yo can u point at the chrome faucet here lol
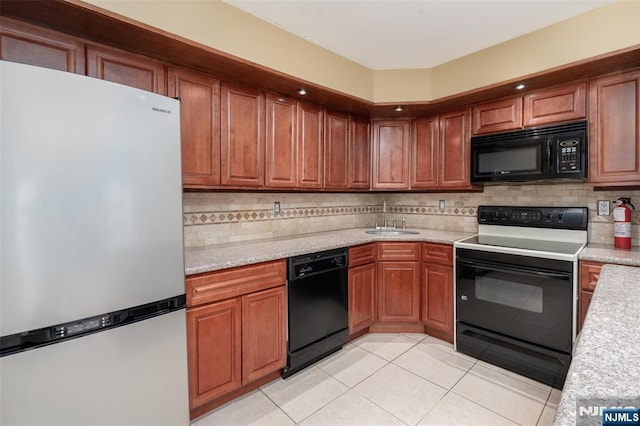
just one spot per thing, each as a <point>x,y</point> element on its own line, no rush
<point>384,214</point>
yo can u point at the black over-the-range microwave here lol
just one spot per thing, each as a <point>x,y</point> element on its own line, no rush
<point>542,153</point>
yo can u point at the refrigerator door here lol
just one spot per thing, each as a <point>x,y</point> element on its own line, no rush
<point>90,223</point>
<point>133,375</point>
<point>91,197</point>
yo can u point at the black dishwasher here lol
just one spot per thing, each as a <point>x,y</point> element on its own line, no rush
<point>317,298</point>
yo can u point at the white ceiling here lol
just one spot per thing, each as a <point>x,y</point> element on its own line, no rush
<point>405,34</point>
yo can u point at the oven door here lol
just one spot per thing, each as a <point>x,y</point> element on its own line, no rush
<point>526,298</point>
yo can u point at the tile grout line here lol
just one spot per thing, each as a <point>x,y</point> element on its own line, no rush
<point>279,408</point>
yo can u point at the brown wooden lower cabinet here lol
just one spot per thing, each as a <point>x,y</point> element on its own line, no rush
<point>588,277</point>
<point>234,342</point>
<point>362,297</point>
<point>437,290</point>
<point>214,337</point>
<point>437,298</point>
<point>264,333</point>
<point>399,291</point>
<point>238,340</point>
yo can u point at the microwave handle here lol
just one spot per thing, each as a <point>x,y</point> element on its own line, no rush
<point>550,146</point>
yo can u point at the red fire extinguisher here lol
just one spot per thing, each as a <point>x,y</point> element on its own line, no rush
<point>622,223</point>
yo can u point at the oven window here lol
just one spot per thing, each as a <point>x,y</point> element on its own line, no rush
<point>515,292</point>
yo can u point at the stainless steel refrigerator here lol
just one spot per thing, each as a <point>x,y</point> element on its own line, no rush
<point>92,314</point>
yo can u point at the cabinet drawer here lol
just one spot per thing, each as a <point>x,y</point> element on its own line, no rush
<point>219,285</point>
<point>361,255</point>
<point>589,274</point>
<point>437,253</point>
<point>398,251</point>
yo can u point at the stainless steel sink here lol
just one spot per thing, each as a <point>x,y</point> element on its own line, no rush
<point>390,231</point>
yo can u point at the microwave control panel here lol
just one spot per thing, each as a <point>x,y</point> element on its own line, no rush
<point>569,155</point>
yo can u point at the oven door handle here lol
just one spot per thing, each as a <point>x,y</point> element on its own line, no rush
<point>525,271</point>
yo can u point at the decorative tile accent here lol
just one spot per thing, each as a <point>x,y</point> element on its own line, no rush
<point>208,218</point>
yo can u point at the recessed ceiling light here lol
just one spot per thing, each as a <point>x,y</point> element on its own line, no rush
<point>399,108</point>
<point>302,91</point>
<point>520,86</point>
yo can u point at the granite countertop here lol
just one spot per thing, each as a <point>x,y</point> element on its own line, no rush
<point>214,257</point>
<point>606,253</point>
<point>606,361</point>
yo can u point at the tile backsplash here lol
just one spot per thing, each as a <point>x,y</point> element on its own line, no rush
<point>223,217</point>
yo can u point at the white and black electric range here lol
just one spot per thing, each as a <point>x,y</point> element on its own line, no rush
<point>516,288</point>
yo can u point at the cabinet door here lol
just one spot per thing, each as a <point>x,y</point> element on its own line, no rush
<point>360,155</point>
<point>242,136</point>
<point>391,154</point>
<point>309,139</point>
<point>264,333</point>
<point>37,46</point>
<point>399,291</point>
<point>362,297</point>
<point>281,154</point>
<point>614,130</point>
<point>199,126</point>
<point>424,153</point>
<point>455,129</point>
<point>336,150</point>
<point>126,68</point>
<point>589,273</point>
<point>555,105</point>
<point>497,116</point>
<point>213,333</point>
<point>437,297</point>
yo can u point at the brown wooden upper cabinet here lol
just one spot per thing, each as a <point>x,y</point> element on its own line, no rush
<point>455,136</point>
<point>336,150</point>
<point>242,136</point>
<point>126,68</point>
<point>391,154</point>
<point>553,105</point>
<point>200,126</point>
<point>563,103</point>
<point>614,130</point>
<point>28,44</point>
<point>360,154</point>
<point>281,160</point>
<point>440,151</point>
<point>425,142</point>
<point>497,116</point>
<point>310,119</point>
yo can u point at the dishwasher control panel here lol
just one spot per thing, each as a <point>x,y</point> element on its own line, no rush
<point>305,265</point>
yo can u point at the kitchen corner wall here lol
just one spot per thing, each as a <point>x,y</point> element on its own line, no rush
<point>224,217</point>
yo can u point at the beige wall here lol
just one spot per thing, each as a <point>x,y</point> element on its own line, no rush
<point>594,33</point>
<point>216,24</point>
<point>223,27</point>
<point>405,85</point>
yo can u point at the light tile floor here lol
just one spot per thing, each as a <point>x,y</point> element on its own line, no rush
<point>394,379</point>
